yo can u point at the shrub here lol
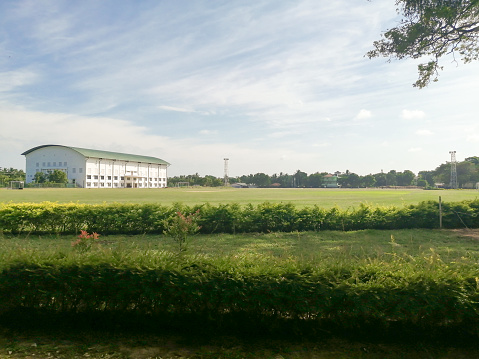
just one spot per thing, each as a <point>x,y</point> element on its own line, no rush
<point>118,218</point>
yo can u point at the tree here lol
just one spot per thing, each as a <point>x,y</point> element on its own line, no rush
<point>58,176</point>
<point>10,174</point>
<point>391,179</point>
<point>381,179</point>
<point>427,176</point>
<point>432,28</point>
<point>405,178</point>
<point>261,180</point>
<point>368,181</point>
<point>300,178</point>
<point>40,177</point>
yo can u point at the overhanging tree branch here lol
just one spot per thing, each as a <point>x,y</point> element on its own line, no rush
<point>431,28</point>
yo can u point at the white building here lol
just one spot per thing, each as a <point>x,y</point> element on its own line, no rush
<point>88,168</point>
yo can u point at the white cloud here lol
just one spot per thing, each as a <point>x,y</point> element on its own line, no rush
<point>12,79</point>
<point>415,149</point>
<point>424,133</point>
<point>176,109</point>
<point>412,114</point>
<point>473,138</point>
<point>324,144</point>
<point>208,132</point>
<point>363,114</point>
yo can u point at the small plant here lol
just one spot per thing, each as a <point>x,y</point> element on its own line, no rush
<point>180,226</point>
<point>85,241</point>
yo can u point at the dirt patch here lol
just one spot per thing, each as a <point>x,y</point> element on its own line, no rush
<point>201,191</point>
<point>464,232</point>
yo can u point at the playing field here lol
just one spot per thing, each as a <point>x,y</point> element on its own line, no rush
<point>326,198</point>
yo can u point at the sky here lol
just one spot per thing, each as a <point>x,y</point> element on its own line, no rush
<point>274,86</point>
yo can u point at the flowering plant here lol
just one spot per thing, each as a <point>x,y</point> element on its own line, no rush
<point>85,241</point>
<point>180,226</point>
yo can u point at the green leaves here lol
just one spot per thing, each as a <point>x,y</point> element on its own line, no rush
<point>432,28</point>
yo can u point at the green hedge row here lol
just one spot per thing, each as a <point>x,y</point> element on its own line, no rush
<point>440,297</point>
<point>118,218</point>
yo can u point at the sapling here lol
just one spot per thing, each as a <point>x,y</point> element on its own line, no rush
<point>85,241</point>
<point>180,226</point>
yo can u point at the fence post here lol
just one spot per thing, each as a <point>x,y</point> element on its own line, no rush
<point>440,212</point>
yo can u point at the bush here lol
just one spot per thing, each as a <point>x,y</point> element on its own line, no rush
<point>428,295</point>
<point>118,218</point>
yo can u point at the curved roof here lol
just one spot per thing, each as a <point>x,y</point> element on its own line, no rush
<point>106,155</point>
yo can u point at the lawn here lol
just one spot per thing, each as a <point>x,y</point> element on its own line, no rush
<point>300,247</point>
<point>325,198</point>
<point>430,247</point>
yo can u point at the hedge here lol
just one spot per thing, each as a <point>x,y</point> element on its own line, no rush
<point>349,296</point>
<point>48,217</point>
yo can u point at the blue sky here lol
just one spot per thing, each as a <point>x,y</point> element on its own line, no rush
<point>275,86</point>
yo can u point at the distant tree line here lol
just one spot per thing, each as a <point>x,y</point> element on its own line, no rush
<point>467,177</point>
<point>10,174</point>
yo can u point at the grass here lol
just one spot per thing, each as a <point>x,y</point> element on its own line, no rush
<point>325,198</point>
<point>448,246</point>
<point>300,247</point>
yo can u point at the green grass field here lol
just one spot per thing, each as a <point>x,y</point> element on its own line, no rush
<point>325,198</point>
<point>301,247</point>
<point>411,247</point>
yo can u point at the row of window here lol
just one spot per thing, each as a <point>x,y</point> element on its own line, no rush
<point>49,164</point>
<point>122,178</point>
<point>117,185</point>
<point>117,171</point>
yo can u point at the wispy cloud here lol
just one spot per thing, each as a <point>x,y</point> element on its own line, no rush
<point>282,82</point>
<point>424,133</point>
<point>412,114</point>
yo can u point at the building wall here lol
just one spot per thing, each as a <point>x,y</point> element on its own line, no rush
<point>95,172</point>
<point>48,159</point>
<point>102,173</point>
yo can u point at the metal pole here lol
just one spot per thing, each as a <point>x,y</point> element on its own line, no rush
<point>440,212</point>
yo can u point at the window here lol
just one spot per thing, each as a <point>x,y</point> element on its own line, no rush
<point>64,164</point>
<point>74,170</point>
<point>109,178</point>
<point>88,176</point>
<point>102,177</point>
<point>43,164</point>
<point>95,177</point>
<point>80,170</point>
<point>38,164</point>
<point>88,184</point>
<point>49,165</point>
<point>54,164</point>
<point>122,178</point>
<point>116,178</point>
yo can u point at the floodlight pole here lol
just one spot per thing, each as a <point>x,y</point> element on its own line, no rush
<point>226,178</point>
<point>453,170</point>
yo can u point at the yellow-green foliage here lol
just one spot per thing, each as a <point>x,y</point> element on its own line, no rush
<point>109,218</point>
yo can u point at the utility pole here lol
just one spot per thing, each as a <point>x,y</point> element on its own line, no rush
<point>453,184</point>
<point>226,177</point>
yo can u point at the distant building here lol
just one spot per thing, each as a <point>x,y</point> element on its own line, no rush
<point>89,168</point>
<point>239,185</point>
<point>330,181</point>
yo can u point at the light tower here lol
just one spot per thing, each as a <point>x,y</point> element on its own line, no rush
<point>226,178</point>
<point>453,184</point>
